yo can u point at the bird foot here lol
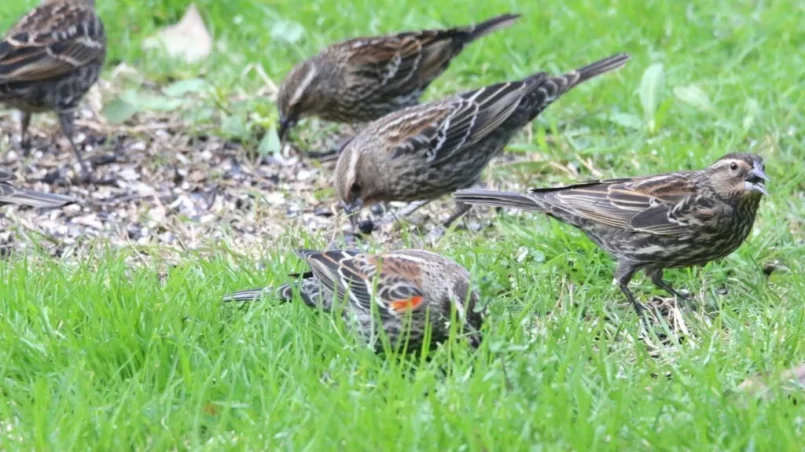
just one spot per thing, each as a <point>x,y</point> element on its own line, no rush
<point>57,177</point>
<point>104,159</point>
<point>347,241</point>
<point>24,147</point>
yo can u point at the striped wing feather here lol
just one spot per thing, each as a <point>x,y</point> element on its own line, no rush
<point>52,40</point>
<point>656,205</point>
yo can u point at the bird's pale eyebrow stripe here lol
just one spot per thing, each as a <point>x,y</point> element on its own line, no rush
<point>300,90</point>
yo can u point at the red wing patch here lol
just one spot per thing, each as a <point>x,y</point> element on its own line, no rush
<point>407,305</point>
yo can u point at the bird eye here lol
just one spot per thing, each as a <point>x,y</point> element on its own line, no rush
<point>734,166</point>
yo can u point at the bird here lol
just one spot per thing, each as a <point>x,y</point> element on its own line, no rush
<point>651,223</point>
<point>12,195</point>
<point>401,293</point>
<point>426,151</point>
<point>49,60</point>
<point>363,79</point>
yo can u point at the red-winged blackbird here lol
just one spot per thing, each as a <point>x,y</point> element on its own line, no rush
<point>12,195</point>
<point>400,292</point>
<point>430,150</point>
<point>49,60</point>
<point>363,79</point>
<point>651,223</point>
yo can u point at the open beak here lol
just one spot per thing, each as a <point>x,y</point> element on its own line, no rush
<point>286,124</point>
<point>756,180</point>
<point>352,209</point>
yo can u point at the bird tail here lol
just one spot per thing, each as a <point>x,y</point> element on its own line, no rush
<point>544,90</point>
<point>284,293</point>
<point>592,70</point>
<point>34,198</point>
<point>497,198</point>
<point>486,27</point>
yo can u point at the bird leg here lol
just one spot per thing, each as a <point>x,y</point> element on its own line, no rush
<point>623,275</point>
<point>25,140</point>
<point>460,210</point>
<point>66,120</point>
<point>438,232</point>
<point>655,275</point>
<point>399,214</point>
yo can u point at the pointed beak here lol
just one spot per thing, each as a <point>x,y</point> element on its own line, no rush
<point>756,180</point>
<point>352,209</point>
<point>286,124</point>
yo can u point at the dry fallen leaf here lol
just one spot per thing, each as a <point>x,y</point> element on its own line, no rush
<point>188,39</point>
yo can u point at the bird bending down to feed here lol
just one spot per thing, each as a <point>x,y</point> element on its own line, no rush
<point>12,195</point>
<point>363,79</point>
<point>48,62</point>
<point>424,152</point>
<point>403,293</point>
<point>651,223</point>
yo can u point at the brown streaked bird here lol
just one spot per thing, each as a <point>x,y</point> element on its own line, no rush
<point>402,293</point>
<point>424,152</point>
<point>49,59</point>
<point>12,195</point>
<point>363,79</point>
<point>651,223</point>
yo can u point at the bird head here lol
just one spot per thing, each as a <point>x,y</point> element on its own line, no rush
<point>298,96</point>
<point>739,174</point>
<point>355,180</point>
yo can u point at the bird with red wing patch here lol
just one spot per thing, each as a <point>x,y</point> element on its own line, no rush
<point>400,293</point>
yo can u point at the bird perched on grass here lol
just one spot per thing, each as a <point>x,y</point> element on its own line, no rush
<point>49,60</point>
<point>401,293</point>
<point>430,150</point>
<point>12,195</point>
<point>363,79</point>
<point>651,223</point>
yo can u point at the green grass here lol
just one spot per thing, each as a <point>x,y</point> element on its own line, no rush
<point>98,353</point>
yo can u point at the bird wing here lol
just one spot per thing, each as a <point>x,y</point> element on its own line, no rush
<point>7,191</point>
<point>5,176</point>
<point>393,62</point>
<point>440,130</point>
<point>357,276</point>
<point>658,205</point>
<point>51,40</point>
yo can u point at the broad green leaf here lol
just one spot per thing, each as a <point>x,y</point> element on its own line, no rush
<point>234,126</point>
<point>695,97</point>
<point>182,87</point>
<point>651,86</point>
<point>270,144</point>
<point>119,111</point>
<point>287,30</point>
<point>626,120</point>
